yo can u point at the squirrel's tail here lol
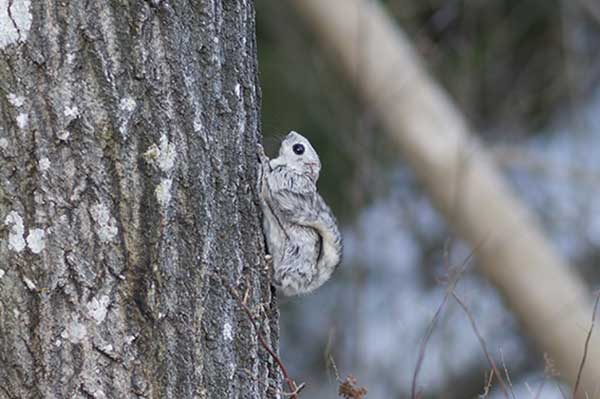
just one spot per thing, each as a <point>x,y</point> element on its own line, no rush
<point>331,249</point>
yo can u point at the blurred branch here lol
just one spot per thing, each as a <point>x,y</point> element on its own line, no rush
<point>453,278</point>
<point>488,357</point>
<point>532,162</point>
<point>586,346</point>
<point>592,7</point>
<point>462,181</point>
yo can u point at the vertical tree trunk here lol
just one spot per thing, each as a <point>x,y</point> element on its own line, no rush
<point>127,203</point>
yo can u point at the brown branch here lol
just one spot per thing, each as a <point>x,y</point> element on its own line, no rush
<point>270,388</point>
<point>507,375</point>
<point>334,368</point>
<point>483,344</point>
<point>453,279</point>
<point>423,347</point>
<point>487,386</point>
<point>294,389</point>
<point>586,346</point>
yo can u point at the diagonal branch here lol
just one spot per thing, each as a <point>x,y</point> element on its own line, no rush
<point>586,346</point>
<point>483,345</point>
<point>292,386</point>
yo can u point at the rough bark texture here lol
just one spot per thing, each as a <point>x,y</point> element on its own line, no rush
<point>127,193</point>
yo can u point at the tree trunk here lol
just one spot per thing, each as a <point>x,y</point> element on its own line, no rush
<point>128,209</point>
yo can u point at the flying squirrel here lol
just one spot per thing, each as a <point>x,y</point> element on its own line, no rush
<point>301,232</point>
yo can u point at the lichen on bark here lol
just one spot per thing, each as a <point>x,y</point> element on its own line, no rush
<point>127,149</point>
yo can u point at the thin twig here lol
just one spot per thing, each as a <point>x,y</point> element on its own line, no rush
<point>483,344</point>
<point>335,369</point>
<point>510,385</point>
<point>259,381</point>
<point>487,386</point>
<point>587,343</point>
<point>290,383</point>
<point>453,280</point>
<point>542,385</point>
<point>294,389</point>
<point>423,347</point>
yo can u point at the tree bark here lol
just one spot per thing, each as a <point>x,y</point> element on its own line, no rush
<point>551,301</point>
<point>128,208</point>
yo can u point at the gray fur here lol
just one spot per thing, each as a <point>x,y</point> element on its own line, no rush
<point>301,232</point>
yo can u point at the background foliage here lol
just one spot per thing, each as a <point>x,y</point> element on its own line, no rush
<point>526,75</point>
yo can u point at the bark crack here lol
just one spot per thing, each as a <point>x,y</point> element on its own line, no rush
<point>109,354</point>
<point>10,395</point>
<point>9,12</point>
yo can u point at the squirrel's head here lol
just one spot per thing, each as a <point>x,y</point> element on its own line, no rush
<point>297,153</point>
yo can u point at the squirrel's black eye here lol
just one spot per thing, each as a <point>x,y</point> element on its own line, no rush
<point>298,149</point>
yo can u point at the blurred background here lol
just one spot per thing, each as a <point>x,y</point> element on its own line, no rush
<point>526,75</point>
